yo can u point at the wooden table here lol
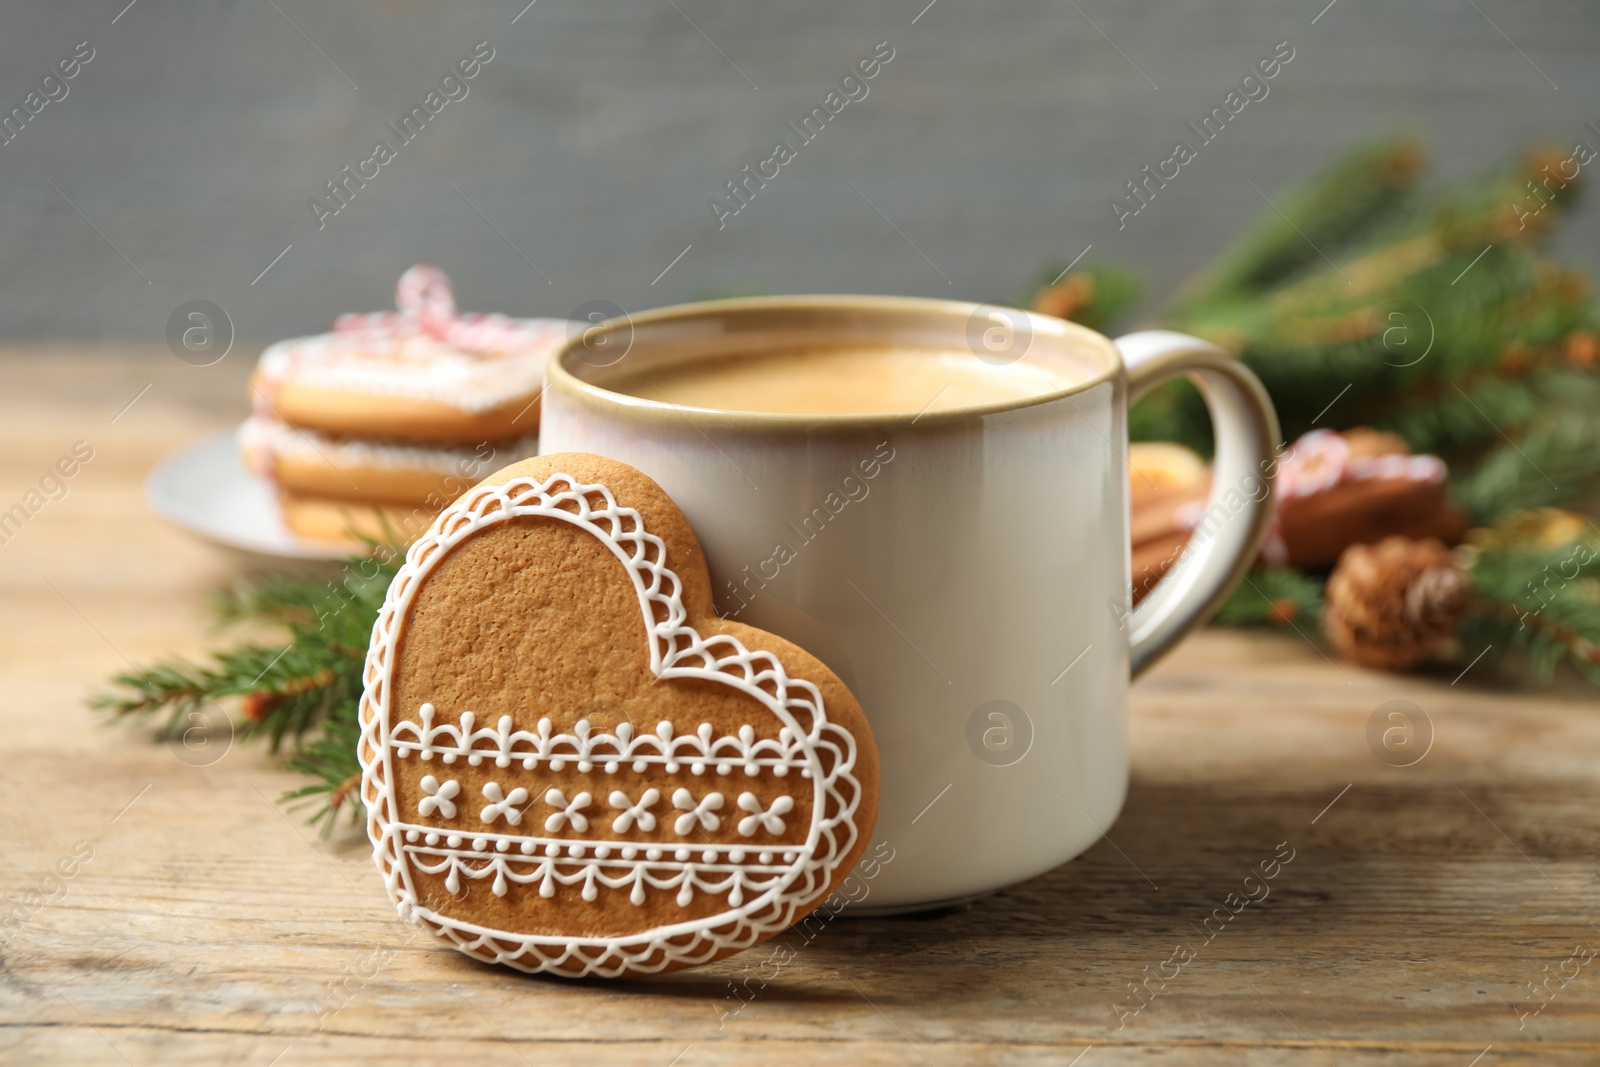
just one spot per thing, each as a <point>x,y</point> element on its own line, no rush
<point>210,926</point>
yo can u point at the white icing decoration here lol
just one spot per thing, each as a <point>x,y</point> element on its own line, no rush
<point>266,441</point>
<point>569,812</point>
<point>769,819</point>
<point>1321,460</point>
<point>665,747</point>
<point>1419,468</point>
<point>439,798</point>
<point>424,350</point>
<point>700,812</point>
<point>503,804</point>
<point>634,813</point>
<point>762,898</point>
<point>412,367</point>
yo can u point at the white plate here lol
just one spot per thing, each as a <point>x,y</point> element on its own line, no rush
<point>206,489</point>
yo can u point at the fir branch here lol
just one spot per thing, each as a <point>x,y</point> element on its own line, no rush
<point>1098,297</point>
<point>1447,330</point>
<point>301,695</point>
<point>1536,577</point>
<point>1273,596</point>
<point>1556,462</point>
<point>1442,324</point>
<point>1357,193</point>
<point>269,598</point>
<point>330,759</point>
<point>178,687</point>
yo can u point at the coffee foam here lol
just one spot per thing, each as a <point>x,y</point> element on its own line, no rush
<point>847,379</point>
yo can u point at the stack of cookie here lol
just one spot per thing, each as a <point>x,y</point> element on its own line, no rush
<point>1165,482</point>
<point>368,432</point>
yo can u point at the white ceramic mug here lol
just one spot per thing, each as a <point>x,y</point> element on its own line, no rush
<point>966,571</point>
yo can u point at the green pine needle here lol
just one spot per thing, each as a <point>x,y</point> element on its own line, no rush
<point>1439,320</point>
<point>300,696</point>
<point>1538,606</point>
<point>1274,596</point>
<point>1352,197</point>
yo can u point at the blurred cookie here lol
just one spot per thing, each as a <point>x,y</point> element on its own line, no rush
<point>307,462</point>
<point>1166,481</point>
<point>1337,489</point>
<point>1158,466</point>
<point>420,373</point>
<point>322,518</point>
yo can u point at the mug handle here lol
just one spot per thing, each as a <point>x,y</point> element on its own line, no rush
<point>1224,544</point>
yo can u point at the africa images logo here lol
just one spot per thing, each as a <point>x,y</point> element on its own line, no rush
<point>342,189</point>
<point>1253,87</point>
<point>852,89</point>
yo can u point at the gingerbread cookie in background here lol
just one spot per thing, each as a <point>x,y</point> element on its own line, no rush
<point>572,764</point>
<point>1332,490</point>
<point>1165,481</point>
<point>372,429</point>
<point>1357,487</point>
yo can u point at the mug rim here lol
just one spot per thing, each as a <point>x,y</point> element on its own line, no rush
<point>559,376</point>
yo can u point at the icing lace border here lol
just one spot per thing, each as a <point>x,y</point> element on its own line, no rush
<point>676,650</point>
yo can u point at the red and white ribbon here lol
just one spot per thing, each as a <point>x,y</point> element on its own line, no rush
<point>426,307</point>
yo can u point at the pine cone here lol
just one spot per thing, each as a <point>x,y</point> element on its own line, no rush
<point>1392,604</point>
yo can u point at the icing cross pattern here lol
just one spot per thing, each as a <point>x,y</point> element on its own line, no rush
<point>587,748</point>
<point>634,813</point>
<point>570,812</point>
<point>616,864</point>
<point>501,803</point>
<point>439,798</point>
<point>510,806</point>
<point>696,811</point>
<point>553,862</point>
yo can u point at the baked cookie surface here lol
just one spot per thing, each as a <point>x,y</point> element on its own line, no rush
<point>572,764</point>
<point>337,519</point>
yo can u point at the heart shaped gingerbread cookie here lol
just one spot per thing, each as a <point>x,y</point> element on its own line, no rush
<point>572,764</point>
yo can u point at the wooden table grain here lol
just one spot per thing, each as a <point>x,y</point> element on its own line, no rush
<point>1441,913</point>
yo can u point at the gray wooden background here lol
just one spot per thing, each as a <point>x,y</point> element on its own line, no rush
<point>181,161</point>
